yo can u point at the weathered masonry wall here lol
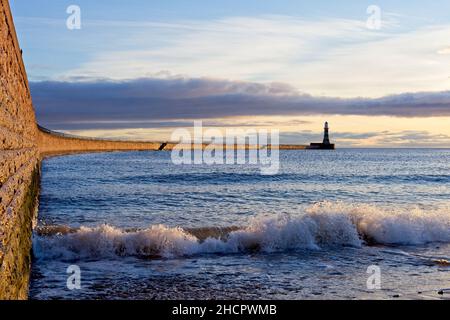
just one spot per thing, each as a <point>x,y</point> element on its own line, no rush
<point>18,164</point>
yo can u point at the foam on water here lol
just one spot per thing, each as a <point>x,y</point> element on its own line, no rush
<point>322,224</point>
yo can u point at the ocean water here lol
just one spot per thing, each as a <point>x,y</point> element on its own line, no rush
<point>140,227</point>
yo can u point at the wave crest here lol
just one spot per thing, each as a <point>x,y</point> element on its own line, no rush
<point>322,224</point>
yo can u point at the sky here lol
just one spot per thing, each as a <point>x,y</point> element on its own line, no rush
<point>139,69</point>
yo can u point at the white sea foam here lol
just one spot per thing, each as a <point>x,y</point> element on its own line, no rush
<point>323,224</point>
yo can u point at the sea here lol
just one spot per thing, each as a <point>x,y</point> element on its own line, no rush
<point>331,224</point>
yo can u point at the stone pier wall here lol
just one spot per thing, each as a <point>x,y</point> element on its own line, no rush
<point>53,143</point>
<point>18,164</point>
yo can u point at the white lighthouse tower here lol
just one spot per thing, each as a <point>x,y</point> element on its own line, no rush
<point>326,137</point>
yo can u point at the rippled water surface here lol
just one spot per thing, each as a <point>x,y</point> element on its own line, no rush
<point>140,227</point>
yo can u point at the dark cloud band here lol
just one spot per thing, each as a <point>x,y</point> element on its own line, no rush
<point>137,103</point>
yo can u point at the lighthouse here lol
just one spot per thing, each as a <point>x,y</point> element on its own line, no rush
<point>326,137</point>
<point>326,144</point>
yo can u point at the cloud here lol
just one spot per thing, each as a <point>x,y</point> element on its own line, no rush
<point>416,138</point>
<point>444,51</point>
<point>143,102</point>
<point>327,56</point>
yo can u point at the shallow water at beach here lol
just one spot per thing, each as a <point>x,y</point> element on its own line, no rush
<point>140,227</point>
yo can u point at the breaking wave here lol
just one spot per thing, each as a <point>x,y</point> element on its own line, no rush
<point>322,224</point>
